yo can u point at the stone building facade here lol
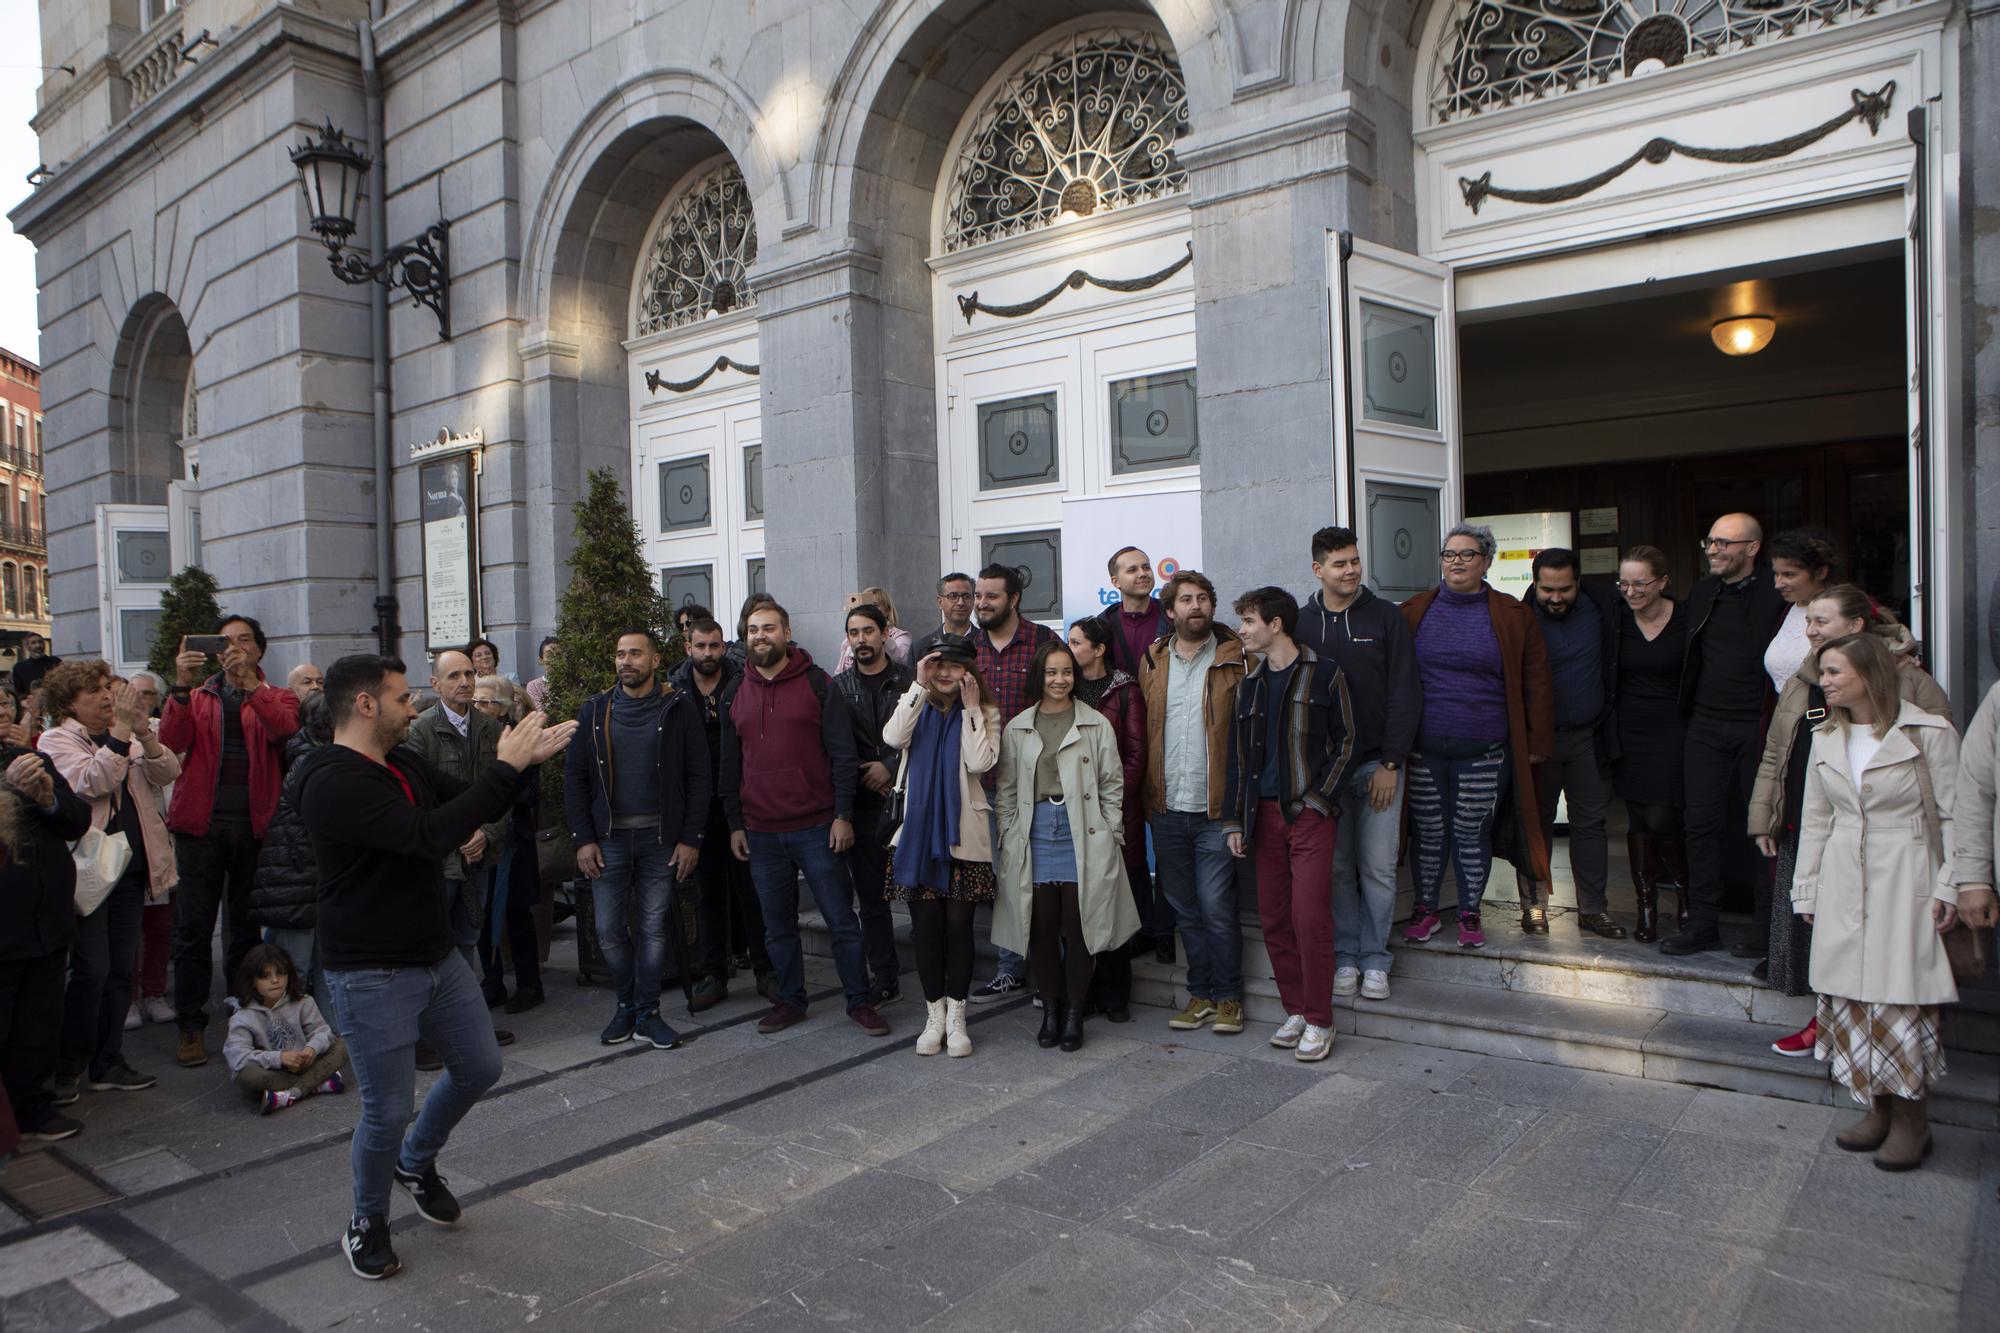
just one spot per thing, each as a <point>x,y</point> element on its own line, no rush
<point>783,266</point>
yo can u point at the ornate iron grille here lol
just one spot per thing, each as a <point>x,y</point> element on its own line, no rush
<point>1502,52</point>
<point>1086,126</point>
<point>698,261</point>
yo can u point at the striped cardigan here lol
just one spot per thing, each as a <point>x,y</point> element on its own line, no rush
<point>1319,742</point>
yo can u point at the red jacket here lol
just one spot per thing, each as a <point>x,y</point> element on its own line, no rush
<point>1125,708</point>
<point>193,730</point>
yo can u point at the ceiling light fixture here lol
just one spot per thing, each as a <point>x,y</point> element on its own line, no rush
<point>1744,336</point>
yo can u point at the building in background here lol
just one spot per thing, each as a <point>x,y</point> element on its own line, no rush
<point>850,295</point>
<point>24,554</point>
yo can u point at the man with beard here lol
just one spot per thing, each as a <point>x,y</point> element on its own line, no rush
<point>1005,645</point>
<point>871,688</point>
<point>1579,624</point>
<point>727,895</point>
<point>1138,619</point>
<point>788,776</point>
<point>636,791</point>
<point>1189,681</point>
<point>382,821</point>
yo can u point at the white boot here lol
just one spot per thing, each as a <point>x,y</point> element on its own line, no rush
<point>956,1042</point>
<point>932,1039</point>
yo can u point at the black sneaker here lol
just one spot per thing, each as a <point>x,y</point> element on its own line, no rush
<point>524,1000</point>
<point>121,1077</point>
<point>368,1251</point>
<point>54,1129</point>
<point>428,1060</point>
<point>999,988</point>
<point>433,1200</point>
<point>888,991</point>
<point>66,1089</point>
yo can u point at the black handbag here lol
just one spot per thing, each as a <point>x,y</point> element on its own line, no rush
<point>896,803</point>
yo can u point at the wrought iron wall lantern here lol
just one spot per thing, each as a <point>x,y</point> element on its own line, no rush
<point>331,171</point>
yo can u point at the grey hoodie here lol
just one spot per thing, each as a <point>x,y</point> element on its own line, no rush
<point>261,1036</point>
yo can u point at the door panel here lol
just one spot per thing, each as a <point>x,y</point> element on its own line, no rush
<point>699,499</point>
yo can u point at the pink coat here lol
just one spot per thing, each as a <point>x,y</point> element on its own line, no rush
<point>93,772</point>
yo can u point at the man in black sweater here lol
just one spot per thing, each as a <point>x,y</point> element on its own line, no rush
<point>382,820</point>
<point>1732,616</point>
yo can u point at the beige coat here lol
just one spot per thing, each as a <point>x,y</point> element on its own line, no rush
<point>94,772</point>
<point>1866,872</point>
<point>1767,799</point>
<point>1093,783</point>
<point>1975,822</point>
<point>978,749</point>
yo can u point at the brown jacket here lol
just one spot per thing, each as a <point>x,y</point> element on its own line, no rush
<point>1531,715</point>
<point>1225,673</point>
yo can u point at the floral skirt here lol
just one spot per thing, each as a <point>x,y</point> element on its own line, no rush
<point>971,882</point>
<point>1880,1050</point>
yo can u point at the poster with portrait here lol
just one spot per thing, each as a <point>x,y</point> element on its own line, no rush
<point>1167,527</point>
<point>451,554</point>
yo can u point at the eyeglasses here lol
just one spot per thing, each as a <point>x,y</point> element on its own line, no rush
<point>1711,543</point>
<point>1633,585</point>
<point>954,597</point>
<point>1459,557</point>
<point>487,703</point>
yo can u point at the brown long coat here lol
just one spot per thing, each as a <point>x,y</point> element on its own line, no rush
<point>1531,712</point>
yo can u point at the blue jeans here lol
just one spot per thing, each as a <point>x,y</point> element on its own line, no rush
<point>303,946</point>
<point>1198,876</point>
<point>776,862</point>
<point>1364,875</point>
<point>1011,964</point>
<point>380,1012</point>
<point>1454,794</point>
<point>638,873</point>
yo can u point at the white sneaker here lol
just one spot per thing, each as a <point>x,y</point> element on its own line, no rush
<point>1346,980</point>
<point>1375,985</point>
<point>1287,1036</point>
<point>1316,1044</point>
<point>134,1020</point>
<point>157,1008</point>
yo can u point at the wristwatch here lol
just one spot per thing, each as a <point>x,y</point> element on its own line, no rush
<point>1392,765</point>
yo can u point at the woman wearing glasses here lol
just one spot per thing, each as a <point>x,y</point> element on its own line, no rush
<point>1653,640</point>
<point>1489,717</point>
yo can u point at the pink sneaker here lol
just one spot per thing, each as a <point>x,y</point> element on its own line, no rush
<point>278,1101</point>
<point>332,1084</point>
<point>1423,925</point>
<point>1470,936</point>
<point>1800,1043</point>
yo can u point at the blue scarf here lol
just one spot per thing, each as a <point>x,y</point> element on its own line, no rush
<point>931,802</point>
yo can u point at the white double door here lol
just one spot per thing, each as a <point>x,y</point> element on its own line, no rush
<point>700,498</point>
<point>1042,421</point>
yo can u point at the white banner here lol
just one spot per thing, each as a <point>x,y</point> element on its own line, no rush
<point>1521,537</point>
<point>451,568</point>
<point>1167,527</point>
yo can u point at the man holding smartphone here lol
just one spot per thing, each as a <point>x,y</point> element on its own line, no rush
<point>230,731</point>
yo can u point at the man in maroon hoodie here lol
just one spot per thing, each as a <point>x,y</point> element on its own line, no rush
<point>788,773</point>
<point>230,732</point>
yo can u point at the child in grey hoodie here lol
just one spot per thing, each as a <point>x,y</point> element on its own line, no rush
<point>279,1047</point>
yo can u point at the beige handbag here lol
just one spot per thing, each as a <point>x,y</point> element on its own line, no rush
<point>1965,947</point>
<point>101,859</point>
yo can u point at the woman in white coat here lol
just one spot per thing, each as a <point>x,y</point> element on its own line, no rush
<point>941,865</point>
<point>1064,894</point>
<point>1874,880</point>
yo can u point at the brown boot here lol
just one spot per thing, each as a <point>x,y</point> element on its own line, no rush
<point>1867,1133</point>
<point>1909,1140</point>
<point>193,1051</point>
<point>1640,849</point>
<point>1674,877</point>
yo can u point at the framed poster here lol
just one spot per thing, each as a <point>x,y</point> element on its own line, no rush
<point>451,550</point>
<point>1521,538</point>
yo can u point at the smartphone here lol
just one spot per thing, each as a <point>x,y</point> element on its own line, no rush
<point>212,644</point>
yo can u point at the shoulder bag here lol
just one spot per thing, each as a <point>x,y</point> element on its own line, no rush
<point>1966,948</point>
<point>102,856</point>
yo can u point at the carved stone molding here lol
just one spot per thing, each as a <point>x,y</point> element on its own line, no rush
<point>970,304</point>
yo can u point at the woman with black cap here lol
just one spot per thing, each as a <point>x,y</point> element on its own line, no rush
<point>942,865</point>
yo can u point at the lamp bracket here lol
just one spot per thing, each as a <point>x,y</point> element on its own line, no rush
<point>420,267</point>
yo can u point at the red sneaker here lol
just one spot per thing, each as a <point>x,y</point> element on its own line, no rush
<point>1800,1042</point>
<point>779,1017</point>
<point>1423,925</point>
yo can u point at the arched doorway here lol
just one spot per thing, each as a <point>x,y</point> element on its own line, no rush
<point>1064,314</point>
<point>151,528</point>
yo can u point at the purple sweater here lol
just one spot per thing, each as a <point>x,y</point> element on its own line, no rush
<point>1458,658</point>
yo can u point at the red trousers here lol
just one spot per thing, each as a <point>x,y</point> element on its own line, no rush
<point>1295,902</point>
<point>156,945</point>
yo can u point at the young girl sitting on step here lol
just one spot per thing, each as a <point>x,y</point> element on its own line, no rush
<point>279,1047</point>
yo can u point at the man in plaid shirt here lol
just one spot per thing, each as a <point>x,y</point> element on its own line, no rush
<point>1005,645</point>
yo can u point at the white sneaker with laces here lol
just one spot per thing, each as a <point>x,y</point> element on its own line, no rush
<point>1288,1034</point>
<point>1316,1044</point>
<point>134,1020</point>
<point>157,1008</point>
<point>1346,980</point>
<point>1374,985</point>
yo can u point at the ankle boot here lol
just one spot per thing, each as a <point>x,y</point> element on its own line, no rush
<point>956,1041</point>
<point>1534,917</point>
<point>1909,1140</point>
<point>1051,1032</point>
<point>1072,1028</point>
<point>1674,877</point>
<point>1640,850</point>
<point>931,1040</point>
<point>1867,1133</point>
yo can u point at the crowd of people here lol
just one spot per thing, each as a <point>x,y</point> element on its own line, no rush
<point>375,866</point>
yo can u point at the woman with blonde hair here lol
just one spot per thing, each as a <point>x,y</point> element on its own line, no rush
<point>896,639</point>
<point>1874,880</point>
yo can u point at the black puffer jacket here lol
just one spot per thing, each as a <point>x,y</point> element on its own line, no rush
<point>286,894</point>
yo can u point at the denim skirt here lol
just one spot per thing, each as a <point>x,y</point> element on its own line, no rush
<point>1049,844</point>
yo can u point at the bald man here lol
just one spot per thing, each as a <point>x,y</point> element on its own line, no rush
<point>1732,616</point>
<point>305,679</point>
